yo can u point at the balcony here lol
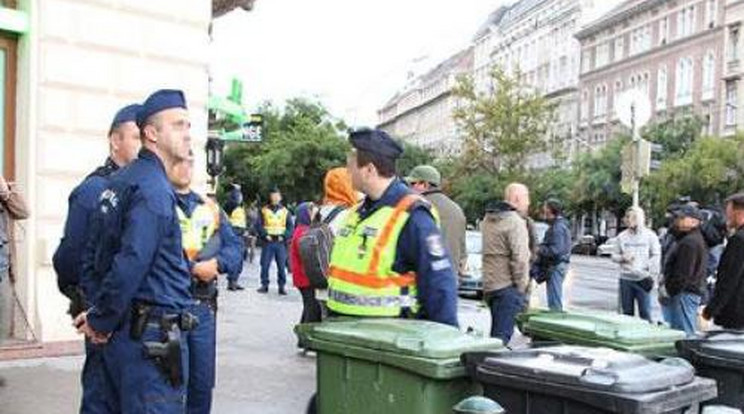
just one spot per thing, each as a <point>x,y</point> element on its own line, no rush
<point>733,65</point>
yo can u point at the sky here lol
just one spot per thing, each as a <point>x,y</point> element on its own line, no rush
<point>351,55</point>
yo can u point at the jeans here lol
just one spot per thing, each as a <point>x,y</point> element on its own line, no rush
<point>631,293</point>
<point>277,252</point>
<point>505,304</point>
<point>681,312</point>
<point>233,277</point>
<point>202,354</point>
<point>555,286</point>
<point>99,394</point>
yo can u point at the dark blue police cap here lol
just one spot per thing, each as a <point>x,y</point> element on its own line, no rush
<point>160,101</point>
<point>126,114</point>
<point>375,141</point>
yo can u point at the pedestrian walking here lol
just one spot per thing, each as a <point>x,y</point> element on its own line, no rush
<point>124,144</point>
<point>135,260</point>
<point>726,307</point>
<point>685,272</point>
<point>506,259</point>
<point>427,181</point>
<point>274,229</point>
<point>212,249</point>
<point>554,253</point>
<point>639,256</point>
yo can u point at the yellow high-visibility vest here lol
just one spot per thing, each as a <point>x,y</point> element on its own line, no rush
<point>199,228</point>
<point>361,279</point>
<point>275,223</point>
<point>237,217</point>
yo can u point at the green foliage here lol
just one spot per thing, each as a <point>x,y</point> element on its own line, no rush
<point>301,143</point>
<point>676,135</point>
<point>413,156</point>
<point>501,129</point>
<point>597,177</point>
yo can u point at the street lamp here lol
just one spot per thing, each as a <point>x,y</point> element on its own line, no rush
<point>215,164</point>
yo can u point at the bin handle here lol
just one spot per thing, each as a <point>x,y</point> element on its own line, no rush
<point>598,377</point>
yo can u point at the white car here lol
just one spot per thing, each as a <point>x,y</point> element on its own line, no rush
<point>608,248</point>
<point>471,283</point>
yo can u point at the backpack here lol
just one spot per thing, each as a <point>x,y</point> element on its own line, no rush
<point>713,226</point>
<point>315,250</point>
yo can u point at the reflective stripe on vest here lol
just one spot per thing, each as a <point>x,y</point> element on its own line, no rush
<point>199,228</point>
<point>237,217</point>
<point>275,223</point>
<point>361,279</point>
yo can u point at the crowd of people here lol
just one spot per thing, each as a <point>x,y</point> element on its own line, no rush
<point>141,254</point>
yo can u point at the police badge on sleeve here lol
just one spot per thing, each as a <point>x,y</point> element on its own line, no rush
<point>435,245</point>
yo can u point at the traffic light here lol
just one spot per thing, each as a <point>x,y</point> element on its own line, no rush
<point>649,157</point>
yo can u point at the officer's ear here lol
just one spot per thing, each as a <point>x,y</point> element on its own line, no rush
<point>148,133</point>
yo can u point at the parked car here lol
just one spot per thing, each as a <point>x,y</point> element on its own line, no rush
<point>608,248</point>
<point>586,246</point>
<point>471,282</point>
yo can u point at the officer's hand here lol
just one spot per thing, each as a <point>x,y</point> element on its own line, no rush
<point>206,271</point>
<point>81,323</point>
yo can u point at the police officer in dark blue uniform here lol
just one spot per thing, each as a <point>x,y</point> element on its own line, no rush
<point>124,143</point>
<point>420,249</point>
<point>134,260</point>
<point>212,249</point>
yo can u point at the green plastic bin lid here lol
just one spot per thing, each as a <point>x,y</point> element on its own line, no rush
<point>422,339</point>
<point>604,326</point>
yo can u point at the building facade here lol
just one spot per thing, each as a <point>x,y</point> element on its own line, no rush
<point>669,50</point>
<point>68,65</point>
<point>422,112</point>
<point>732,118</point>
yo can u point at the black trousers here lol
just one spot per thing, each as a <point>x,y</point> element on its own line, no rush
<point>311,311</point>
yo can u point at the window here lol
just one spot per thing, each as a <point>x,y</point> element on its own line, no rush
<point>663,30</point>
<point>661,88</point>
<point>600,101</point>
<point>710,14</point>
<point>640,40</point>
<point>584,110</point>
<point>618,91</point>
<point>686,22</point>
<point>619,48</point>
<point>586,61</point>
<point>603,55</point>
<point>733,43</point>
<point>683,82</point>
<point>731,103</point>
<point>709,75</point>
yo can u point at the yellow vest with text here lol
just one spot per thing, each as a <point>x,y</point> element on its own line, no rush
<point>237,217</point>
<point>361,279</point>
<point>199,228</point>
<point>275,223</point>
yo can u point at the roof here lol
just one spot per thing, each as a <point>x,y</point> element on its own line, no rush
<point>493,19</point>
<point>616,15</point>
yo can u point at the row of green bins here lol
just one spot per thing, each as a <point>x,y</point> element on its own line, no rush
<point>569,379</point>
<point>603,329</point>
<point>719,355</point>
<point>390,366</point>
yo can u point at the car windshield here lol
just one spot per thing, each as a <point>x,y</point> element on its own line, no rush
<point>474,243</point>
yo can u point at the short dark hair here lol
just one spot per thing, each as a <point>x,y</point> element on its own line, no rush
<point>554,205</point>
<point>385,166</point>
<point>736,201</point>
<point>153,120</point>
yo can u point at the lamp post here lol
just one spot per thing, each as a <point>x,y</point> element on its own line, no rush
<point>215,163</point>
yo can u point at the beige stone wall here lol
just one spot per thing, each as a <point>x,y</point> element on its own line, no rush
<point>82,61</point>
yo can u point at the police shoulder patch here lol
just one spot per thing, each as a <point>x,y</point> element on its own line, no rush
<point>435,245</point>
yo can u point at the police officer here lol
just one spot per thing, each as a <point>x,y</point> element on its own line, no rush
<point>135,261</point>
<point>274,228</point>
<point>212,248</point>
<point>239,225</point>
<point>388,258</point>
<point>124,143</point>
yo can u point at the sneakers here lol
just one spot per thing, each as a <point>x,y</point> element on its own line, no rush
<point>282,291</point>
<point>263,289</point>
<point>233,286</point>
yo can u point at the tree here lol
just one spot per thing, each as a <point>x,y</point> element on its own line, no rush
<point>676,135</point>
<point>413,155</point>
<point>301,143</point>
<point>502,128</point>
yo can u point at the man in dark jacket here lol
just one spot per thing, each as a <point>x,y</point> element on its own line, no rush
<point>685,271</point>
<point>726,307</point>
<point>554,253</point>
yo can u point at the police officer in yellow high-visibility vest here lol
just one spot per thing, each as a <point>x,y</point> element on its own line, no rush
<point>274,230</point>
<point>239,225</point>
<point>388,258</point>
<point>211,248</point>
